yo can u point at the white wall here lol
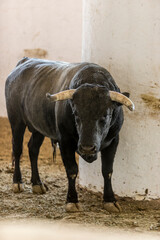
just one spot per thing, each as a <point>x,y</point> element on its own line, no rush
<point>124,37</point>
<point>42,28</point>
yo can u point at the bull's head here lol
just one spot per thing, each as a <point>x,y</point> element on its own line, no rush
<point>93,108</point>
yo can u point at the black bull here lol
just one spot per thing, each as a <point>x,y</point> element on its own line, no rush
<point>87,121</point>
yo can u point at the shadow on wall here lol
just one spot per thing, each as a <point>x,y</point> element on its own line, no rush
<point>35,53</point>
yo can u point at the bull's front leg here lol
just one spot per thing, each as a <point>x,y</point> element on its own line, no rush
<point>71,167</point>
<point>107,156</point>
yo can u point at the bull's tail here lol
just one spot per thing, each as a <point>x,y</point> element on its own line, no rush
<point>24,59</point>
<point>54,146</point>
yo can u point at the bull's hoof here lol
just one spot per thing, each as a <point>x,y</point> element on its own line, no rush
<point>73,207</point>
<point>39,189</point>
<point>112,207</point>
<point>18,187</point>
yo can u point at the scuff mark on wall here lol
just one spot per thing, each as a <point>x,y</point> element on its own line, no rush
<point>35,36</point>
<point>37,53</point>
<point>155,85</point>
<point>151,101</point>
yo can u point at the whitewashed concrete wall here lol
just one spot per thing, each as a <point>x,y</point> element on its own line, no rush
<point>124,37</point>
<point>38,28</point>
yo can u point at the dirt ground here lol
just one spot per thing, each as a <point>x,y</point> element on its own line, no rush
<point>136,215</point>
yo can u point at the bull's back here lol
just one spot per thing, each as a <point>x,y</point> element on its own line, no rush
<point>26,89</point>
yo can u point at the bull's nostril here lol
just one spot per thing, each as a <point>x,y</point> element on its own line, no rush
<point>92,148</point>
<point>87,149</point>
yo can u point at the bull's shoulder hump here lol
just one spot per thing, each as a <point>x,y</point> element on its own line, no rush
<point>37,64</point>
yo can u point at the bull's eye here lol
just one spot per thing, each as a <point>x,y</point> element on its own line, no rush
<point>77,119</point>
<point>75,112</point>
<point>103,120</point>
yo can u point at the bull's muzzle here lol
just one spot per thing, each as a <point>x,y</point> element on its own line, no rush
<point>88,153</point>
<point>87,149</point>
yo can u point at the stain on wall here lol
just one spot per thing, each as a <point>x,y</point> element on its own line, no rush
<point>151,101</point>
<point>36,53</point>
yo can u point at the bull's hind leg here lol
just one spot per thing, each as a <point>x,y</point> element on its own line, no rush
<point>18,130</point>
<point>68,156</point>
<point>34,144</point>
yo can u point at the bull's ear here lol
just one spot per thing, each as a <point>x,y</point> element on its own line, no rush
<point>126,94</point>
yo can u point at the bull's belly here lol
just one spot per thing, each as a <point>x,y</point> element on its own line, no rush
<point>43,129</point>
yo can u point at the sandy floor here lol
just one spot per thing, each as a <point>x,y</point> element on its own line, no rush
<point>136,215</point>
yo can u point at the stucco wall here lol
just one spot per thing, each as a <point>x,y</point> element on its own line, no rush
<point>124,37</point>
<point>47,29</point>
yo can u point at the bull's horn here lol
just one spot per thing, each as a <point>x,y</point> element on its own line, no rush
<point>64,95</point>
<point>119,97</point>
